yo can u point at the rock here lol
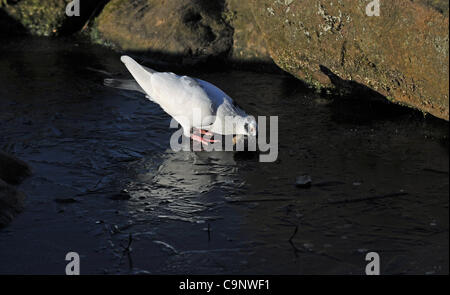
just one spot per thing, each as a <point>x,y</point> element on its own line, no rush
<point>13,170</point>
<point>303,181</point>
<point>8,25</point>
<point>402,54</point>
<point>11,203</point>
<point>48,17</point>
<point>183,30</point>
<point>248,42</point>
<point>187,31</point>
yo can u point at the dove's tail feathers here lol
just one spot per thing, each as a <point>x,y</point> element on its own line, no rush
<point>128,61</point>
<point>123,84</point>
<point>141,74</point>
<point>152,71</point>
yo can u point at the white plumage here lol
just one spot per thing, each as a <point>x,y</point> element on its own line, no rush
<point>194,103</point>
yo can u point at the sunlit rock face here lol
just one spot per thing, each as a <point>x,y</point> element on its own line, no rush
<point>402,53</point>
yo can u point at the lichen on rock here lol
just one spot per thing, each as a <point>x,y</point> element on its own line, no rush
<point>402,54</point>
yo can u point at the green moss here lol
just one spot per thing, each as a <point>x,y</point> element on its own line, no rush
<point>390,98</point>
<point>96,37</point>
<point>43,18</point>
<point>228,16</point>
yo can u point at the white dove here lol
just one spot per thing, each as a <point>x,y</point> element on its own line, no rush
<point>195,104</point>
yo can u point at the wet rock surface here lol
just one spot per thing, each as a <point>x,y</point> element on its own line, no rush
<point>380,177</point>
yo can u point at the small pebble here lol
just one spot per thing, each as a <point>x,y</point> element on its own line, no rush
<point>303,181</point>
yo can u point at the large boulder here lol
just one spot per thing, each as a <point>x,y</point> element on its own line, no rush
<point>189,31</point>
<point>402,54</point>
<point>184,30</point>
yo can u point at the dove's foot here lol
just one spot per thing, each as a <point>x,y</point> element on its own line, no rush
<point>202,131</point>
<point>198,138</point>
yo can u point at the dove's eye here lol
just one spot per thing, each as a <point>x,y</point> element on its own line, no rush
<point>246,127</point>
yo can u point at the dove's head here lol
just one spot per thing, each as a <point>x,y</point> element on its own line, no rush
<point>250,126</point>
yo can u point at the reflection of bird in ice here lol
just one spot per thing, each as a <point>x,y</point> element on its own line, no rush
<point>182,185</point>
<point>193,172</point>
<point>196,104</point>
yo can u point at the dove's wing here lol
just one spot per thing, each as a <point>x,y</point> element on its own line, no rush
<point>179,96</point>
<point>224,107</point>
<point>182,98</point>
<point>215,94</point>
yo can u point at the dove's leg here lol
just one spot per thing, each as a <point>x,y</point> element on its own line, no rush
<point>211,140</point>
<point>205,132</point>
<point>197,137</point>
<point>208,136</point>
<point>202,131</point>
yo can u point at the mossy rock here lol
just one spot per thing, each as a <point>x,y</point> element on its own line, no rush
<point>39,17</point>
<point>48,17</point>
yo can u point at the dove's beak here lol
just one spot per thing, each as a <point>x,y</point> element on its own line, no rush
<point>234,139</point>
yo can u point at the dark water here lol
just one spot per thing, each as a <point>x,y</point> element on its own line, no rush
<point>104,172</point>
